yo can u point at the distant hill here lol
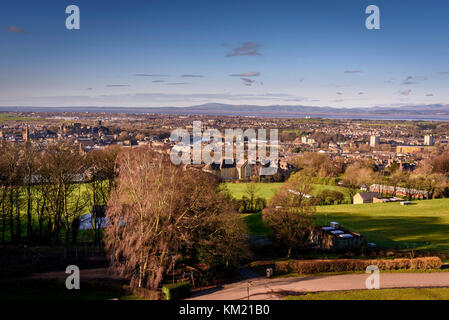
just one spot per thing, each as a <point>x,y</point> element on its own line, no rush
<point>412,112</point>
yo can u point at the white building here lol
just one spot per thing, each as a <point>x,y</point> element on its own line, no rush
<point>429,140</point>
<point>374,141</point>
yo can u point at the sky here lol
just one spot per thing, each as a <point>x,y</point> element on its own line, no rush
<point>156,53</point>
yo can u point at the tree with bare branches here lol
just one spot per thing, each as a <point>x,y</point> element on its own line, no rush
<point>62,169</point>
<point>101,174</point>
<point>157,212</point>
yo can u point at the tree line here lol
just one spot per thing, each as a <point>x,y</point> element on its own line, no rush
<point>44,189</point>
<point>431,174</point>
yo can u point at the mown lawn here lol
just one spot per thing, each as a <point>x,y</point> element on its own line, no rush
<point>422,225</point>
<point>384,294</point>
<point>268,190</point>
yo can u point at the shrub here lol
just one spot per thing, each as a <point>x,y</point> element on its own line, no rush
<point>143,293</point>
<point>328,197</point>
<point>245,205</point>
<point>176,291</point>
<point>341,265</point>
<point>425,263</point>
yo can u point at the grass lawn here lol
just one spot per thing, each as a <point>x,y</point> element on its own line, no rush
<point>422,225</point>
<point>319,187</point>
<point>80,190</point>
<point>255,224</point>
<point>268,190</point>
<point>384,294</point>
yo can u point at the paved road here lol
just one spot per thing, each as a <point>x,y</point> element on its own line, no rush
<point>273,289</point>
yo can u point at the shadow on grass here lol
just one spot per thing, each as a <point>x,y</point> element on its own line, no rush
<point>427,233</point>
<point>50,289</point>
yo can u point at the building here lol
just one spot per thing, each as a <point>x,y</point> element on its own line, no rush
<point>26,134</point>
<point>245,170</point>
<point>374,141</point>
<point>335,238</point>
<point>307,140</point>
<point>213,168</point>
<point>429,140</point>
<point>365,197</point>
<point>399,191</point>
<point>386,200</point>
<point>228,171</point>
<point>412,149</point>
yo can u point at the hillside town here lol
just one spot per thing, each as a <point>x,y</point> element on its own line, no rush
<point>386,144</point>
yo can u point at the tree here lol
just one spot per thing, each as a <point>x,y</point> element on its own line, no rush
<point>290,215</point>
<point>359,173</point>
<point>102,171</point>
<point>252,190</point>
<point>435,184</point>
<point>42,189</point>
<point>412,185</point>
<point>62,169</point>
<point>440,163</point>
<point>29,167</point>
<point>318,165</point>
<point>326,197</point>
<point>396,179</point>
<point>11,180</point>
<point>157,212</point>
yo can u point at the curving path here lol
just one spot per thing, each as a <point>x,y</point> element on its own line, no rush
<point>274,289</point>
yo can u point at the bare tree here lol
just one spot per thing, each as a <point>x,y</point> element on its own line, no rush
<point>11,176</point>
<point>62,170</point>
<point>156,212</point>
<point>29,167</point>
<point>102,171</point>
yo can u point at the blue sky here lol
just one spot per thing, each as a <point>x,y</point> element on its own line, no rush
<point>179,53</point>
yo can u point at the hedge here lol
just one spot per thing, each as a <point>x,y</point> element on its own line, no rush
<point>176,291</point>
<point>143,293</point>
<point>341,265</point>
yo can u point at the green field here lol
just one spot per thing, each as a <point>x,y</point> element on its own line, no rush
<point>268,190</point>
<point>422,225</point>
<point>383,294</point>
<point>83,203</point>
<point>12,117</point>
